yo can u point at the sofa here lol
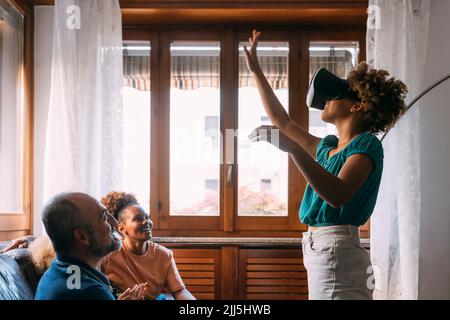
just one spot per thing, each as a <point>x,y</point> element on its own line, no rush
<point>18,276</point>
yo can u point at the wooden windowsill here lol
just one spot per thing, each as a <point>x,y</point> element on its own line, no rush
<point>260,242</point>
<point>240,242</point>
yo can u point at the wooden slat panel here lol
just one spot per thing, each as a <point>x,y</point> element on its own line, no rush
<point>198,281</point>
<point>195,267</point>
<point>274,267</point>
<point>201,289</point>
<point>270,274</point>
<point>277,289</point>
<point>204,296</point>
<point>276,282</point>
<point>200,270</point>
<point>197,274</point>
<point>195,260</point>
<point>277,275</point>
<point>277,297</point>
<point>274,261</point>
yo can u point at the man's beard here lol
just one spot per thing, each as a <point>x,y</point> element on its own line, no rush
<point>99,250</point>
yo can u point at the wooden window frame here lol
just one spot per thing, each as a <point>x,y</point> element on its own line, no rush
<point>17,224</point>
<point>229,223</point>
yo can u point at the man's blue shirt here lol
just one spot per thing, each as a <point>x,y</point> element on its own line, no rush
<point>71,279</point>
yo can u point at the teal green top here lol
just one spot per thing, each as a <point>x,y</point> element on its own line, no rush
<point>315,212</point>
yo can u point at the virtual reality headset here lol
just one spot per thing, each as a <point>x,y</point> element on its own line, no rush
<point>326,86</point>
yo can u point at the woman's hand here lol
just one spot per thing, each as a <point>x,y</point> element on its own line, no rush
<point>135,293</point>
<point>274,136</point>
<point>252,58</point>
<point>21,242</point>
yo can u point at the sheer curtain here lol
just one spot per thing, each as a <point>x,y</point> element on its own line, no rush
<point>84,130</point>
<point>397,41</point>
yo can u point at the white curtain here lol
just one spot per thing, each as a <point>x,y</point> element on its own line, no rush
<point>84,130</point>
<point>397,41</point>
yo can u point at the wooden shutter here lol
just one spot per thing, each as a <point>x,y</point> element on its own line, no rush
<point>270,274</point>
<point>200,271</point>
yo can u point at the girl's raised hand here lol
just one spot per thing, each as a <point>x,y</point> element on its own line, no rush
<point>274,136</point>
<point>250,54</point>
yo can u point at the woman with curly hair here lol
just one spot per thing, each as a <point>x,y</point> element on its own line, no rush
<point>140,260</point>
<point>343,174</point>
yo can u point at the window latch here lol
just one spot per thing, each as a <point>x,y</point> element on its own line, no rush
<point>229,175</point>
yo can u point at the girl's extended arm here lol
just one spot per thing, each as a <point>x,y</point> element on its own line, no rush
<point>272,105</point>
<point>336,190</point>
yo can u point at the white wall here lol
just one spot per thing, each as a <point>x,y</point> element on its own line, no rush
<point>434,261</point>
<point>43,42</point>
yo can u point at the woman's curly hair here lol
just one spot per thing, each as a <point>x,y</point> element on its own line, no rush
<point>115,201</point>
<point>383,97</point>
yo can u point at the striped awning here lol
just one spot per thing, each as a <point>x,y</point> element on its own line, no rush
<point>193,72</point>
<point>339,65</point>
<point>275,69</point>
<point>136,72</point>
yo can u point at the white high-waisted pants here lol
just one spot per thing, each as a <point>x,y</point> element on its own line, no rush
<point>338,267</point>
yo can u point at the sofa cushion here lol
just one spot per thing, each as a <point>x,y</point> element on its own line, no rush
<point>26,264</point>
<point>14,284</point>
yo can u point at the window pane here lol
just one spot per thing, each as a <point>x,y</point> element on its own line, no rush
<point>263,170</point>
<point>11,109</point>
<point>194,128</point>
<point>136,120</point>
<point>338,57</point>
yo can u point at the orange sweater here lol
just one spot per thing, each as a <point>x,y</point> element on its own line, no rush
<point>156,267</point>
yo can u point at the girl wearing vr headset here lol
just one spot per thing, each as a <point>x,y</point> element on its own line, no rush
<point>343,174</point>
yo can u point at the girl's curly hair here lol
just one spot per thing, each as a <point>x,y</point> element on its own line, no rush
<point>115,201</point>
<point>383,98</point>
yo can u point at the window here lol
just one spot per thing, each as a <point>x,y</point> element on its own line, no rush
<point>337,56</point>
<point>136,120</point>
<point>258,160</point>
<point>212,130</point>
<point>212,185</point>
<point>207,178</point>
<point>194,100</point>
<point>266,185</point>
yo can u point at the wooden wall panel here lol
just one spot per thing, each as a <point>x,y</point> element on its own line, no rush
<point>147,12</point>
